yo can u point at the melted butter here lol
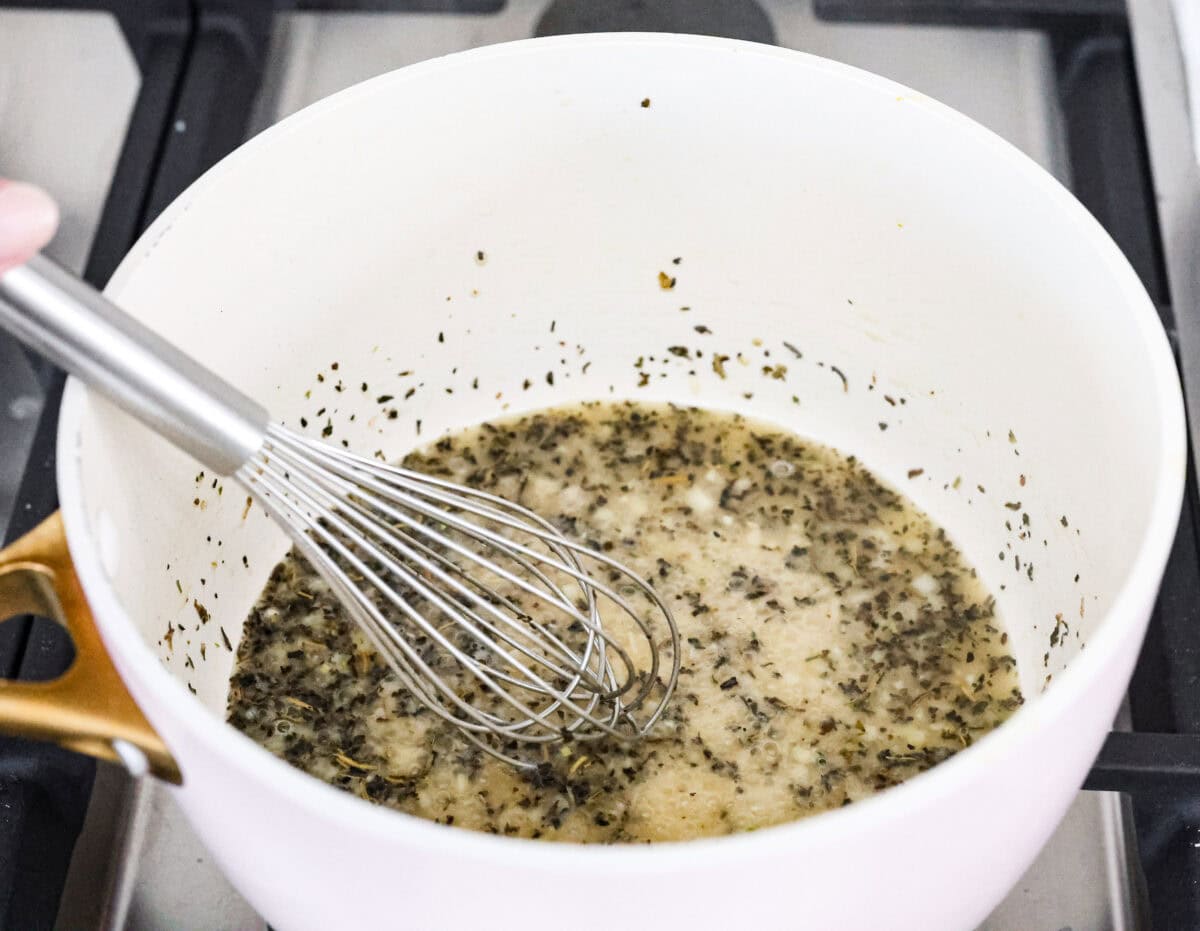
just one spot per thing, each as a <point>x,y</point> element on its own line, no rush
<point>834,641</point>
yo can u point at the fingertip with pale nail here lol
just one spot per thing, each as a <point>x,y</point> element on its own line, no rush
<point>28,220</point>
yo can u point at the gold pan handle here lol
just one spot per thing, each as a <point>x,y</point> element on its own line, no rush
<point>87,708</point>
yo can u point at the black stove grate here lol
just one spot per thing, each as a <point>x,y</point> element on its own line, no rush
<point>202,62</point>
<point>45,789</point>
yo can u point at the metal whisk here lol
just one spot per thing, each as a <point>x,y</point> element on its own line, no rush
<point>487,613</point>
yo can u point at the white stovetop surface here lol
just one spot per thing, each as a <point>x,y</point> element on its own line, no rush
<point>1187,26</point>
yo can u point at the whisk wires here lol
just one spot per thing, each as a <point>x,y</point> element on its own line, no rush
<point>491,617</point>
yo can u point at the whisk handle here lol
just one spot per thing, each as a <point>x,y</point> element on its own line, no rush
<point>79,329</point>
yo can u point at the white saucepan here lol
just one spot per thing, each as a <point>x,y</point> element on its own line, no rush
<point>481,220</point>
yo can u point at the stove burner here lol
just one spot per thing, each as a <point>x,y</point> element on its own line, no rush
<point>733,19</point>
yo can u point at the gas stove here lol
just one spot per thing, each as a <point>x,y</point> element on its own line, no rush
<point>117,106</point>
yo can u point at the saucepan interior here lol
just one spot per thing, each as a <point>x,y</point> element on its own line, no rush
<point>425,252</point>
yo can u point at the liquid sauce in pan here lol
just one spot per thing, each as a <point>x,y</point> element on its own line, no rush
<point>834,642</point>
